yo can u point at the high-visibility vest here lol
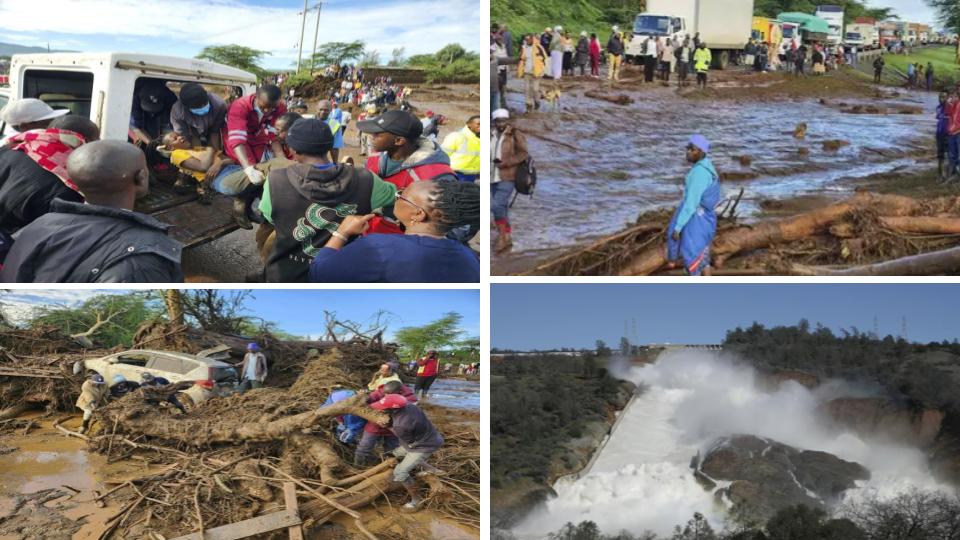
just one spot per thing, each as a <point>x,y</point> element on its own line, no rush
<point>464,150</point>
<point>334,125</point>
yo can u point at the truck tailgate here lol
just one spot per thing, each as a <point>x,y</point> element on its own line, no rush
<point>193,223</point>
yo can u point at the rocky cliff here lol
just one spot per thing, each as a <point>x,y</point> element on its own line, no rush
<point>762,476</point>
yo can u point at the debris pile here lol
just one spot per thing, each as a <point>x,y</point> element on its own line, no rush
<point>36,370</point>
<point>867,234</point>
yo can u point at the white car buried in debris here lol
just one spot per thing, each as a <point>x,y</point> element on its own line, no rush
<point>210,376</point>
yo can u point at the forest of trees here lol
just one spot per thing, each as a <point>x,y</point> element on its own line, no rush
<point>537,405</point>
<point>902,367</point>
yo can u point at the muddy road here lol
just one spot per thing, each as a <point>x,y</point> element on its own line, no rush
<point>601,165</point>
<point>231,258</point>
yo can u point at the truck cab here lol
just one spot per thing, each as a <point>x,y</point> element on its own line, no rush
<point>649,25</point>
<point>853,39</point>
<point>100,86</point>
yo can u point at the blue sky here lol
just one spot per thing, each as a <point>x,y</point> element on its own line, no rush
<point>554,316</point>
<point>184,27</point>
<point>301,311</point>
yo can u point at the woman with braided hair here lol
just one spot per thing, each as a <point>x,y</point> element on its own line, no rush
<point>428,210</point>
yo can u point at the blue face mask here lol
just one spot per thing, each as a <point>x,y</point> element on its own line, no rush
<point>202,110</point>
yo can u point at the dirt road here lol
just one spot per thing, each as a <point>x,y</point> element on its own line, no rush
<point>231,258</point>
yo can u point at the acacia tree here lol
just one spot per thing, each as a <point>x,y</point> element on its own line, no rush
<point>338,52</point>
<point>106,319</point>
<point>441,333</point>
<point>237,56</point>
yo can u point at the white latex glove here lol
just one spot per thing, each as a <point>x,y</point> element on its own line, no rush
<point>255,176</point>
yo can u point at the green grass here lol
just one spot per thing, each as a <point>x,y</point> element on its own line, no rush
<point>943,58</point>
<point>526,16</point>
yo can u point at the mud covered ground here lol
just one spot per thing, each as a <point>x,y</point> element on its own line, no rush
<point>48,483</point>
<point>603,164</point>
<point>230,258</point>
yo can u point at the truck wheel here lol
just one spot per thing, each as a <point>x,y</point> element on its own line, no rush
<point>721,60</point>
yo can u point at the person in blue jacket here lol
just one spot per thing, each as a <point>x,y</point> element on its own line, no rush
<point>349,427</point>
<point>694,224</point>
<point>428,210</point>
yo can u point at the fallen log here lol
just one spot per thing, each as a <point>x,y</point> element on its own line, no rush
<point>922,225</point>
<point>925,264</point>
<point>200,432</point>
<point>765,234</point>
<point>621,99</point>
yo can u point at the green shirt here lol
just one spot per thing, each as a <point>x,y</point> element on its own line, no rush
<point>383,194</point>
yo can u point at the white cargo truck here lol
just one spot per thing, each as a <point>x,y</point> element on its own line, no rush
<point>100,86</point>
<point>725,26</point>
<point>869,35</point>
<point>834,17</point>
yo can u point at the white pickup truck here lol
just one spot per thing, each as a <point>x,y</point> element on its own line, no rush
<point>100,86</point>
<point>725,26</point>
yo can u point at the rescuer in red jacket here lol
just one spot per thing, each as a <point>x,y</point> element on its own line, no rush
<point>426,373</point>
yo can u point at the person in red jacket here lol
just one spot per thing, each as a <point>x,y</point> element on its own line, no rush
<point>372,432</point>
<point>426,373</point>
<point>251,129</point>
<point>402,156</point>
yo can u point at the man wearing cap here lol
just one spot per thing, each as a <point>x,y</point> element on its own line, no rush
<point>29,113</point>
<point>251,130</point>
<point>253,369</point>
<point>530,68</point>
<point>150,113</point>
<point>93,393</point>
<point>614,55</point>
<point>402,157</point>
<point>373,433</point>
<point>508,150</point>
<point>463,147</point>
<point>199,116</point>
<point>694,224</point>
<point>307,201</point>
<point>418,438</point>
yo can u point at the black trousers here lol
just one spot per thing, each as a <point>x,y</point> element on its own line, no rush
<point>424,383</point>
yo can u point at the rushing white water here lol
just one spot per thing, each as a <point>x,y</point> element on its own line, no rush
<point>642,479</point>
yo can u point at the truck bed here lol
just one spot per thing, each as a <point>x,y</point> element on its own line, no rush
<point>193,223</point>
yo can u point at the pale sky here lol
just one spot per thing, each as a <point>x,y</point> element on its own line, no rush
<point>909,10</point>
<point>184,27</point>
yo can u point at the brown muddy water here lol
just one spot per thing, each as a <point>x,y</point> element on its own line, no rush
<point>630,159</point>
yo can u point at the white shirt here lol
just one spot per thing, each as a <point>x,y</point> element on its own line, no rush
<point>496,141</point>
<point>251,371</point>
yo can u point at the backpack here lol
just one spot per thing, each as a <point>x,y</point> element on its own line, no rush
<point>525,181</point>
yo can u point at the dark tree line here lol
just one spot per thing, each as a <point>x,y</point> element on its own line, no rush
<point>538,404</point>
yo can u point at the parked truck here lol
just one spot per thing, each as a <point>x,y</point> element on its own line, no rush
<point>724,26</point>
<point>100,86</point>
<point>869,31</point>
<point>834,17</point>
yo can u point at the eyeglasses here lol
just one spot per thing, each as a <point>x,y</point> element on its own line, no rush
<point>399,197</point>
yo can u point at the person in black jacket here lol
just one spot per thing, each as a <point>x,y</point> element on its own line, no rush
<point>27,188</point>
<point>103,241</point>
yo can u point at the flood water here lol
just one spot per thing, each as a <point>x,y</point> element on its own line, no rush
<point>631,158</point>
<point>456,393</point>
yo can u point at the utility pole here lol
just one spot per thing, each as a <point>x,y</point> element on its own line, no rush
<point>316,32</point>
<point>303,26</point>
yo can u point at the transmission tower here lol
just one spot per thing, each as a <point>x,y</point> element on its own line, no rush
<point>903,329</point>
<point>876,327</point>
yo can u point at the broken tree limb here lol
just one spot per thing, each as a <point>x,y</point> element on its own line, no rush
<point>938,262</point>
<point>922,225</point>
<point>83,338</point>
<point>201,432</point>
<point>743,239</point>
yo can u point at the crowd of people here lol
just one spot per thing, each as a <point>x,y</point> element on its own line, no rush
<point>67,198</point>
<point>409,436</point>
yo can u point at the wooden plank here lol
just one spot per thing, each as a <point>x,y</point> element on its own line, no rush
<point>290,501</point>
<point>248,527</point>
<point>195,223</point>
